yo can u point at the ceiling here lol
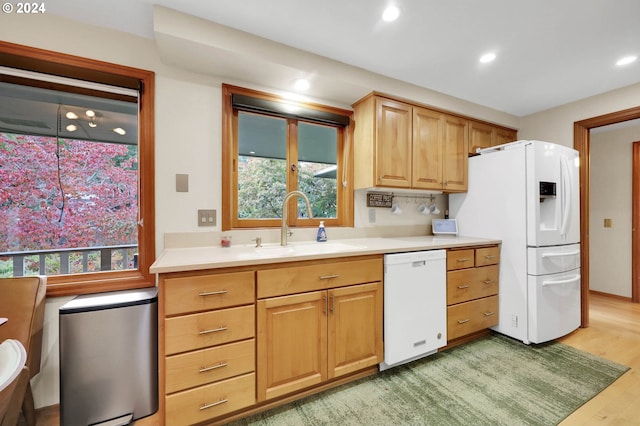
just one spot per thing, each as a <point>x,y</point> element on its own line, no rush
<point>549,52</point>
<point>43,112</point>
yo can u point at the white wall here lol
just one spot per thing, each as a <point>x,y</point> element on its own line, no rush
<point>611,195</point>
<point>556,124</point>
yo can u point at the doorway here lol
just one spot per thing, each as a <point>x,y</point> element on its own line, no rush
<point>581,142</point>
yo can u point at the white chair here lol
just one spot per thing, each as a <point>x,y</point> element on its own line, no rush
<point>14,376</point>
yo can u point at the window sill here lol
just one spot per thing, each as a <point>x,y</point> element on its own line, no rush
<point>74,285</point>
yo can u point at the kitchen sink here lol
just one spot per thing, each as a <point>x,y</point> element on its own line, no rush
<point>301,249</point>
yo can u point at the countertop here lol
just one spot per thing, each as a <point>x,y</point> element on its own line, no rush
<point>198,258</point>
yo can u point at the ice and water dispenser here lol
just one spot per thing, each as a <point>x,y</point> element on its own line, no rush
<point>548,208</point>
<point>109,358</point>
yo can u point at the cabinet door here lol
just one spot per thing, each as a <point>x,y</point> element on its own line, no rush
<point>481,136</point>
<point>355,328</point>
<point>455,153</point>
<point>427,149</point>
<point>393,143</point>
<point>292,335</point>
<point>505,136</point>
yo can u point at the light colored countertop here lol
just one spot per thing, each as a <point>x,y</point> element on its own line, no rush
<point>198,258</point>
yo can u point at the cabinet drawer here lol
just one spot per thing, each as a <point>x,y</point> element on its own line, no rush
<point>470,284</point>
<point>197,368</point>
<point>468,317</point>
<point>298,279</point>
<point>198,331</point>
<point>487,256</point>
<point>207,292</point>
<point>210,401</point>
<point>460,259</point>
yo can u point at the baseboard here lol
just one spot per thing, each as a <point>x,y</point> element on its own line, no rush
<point>610,296</point>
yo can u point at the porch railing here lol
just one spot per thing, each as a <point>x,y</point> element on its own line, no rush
<point>69,261</point>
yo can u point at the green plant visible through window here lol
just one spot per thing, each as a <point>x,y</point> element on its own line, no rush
<point>263,172</point>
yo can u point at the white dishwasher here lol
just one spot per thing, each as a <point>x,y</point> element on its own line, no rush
<point>415,305</point>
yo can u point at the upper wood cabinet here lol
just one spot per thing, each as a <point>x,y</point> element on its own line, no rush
<point>455,146</point>
<point>402,145</point>
<point>505,135</point>
<point>393,157</point>
<point>483,135</point>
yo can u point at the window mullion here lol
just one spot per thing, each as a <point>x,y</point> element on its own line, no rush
<point>292,168</point>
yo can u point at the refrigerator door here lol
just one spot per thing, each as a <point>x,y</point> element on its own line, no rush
<point>553,195</point>
<point>554,305</point>
<point>552,260</point>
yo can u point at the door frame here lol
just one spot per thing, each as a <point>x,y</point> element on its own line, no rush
<point>581,143</point>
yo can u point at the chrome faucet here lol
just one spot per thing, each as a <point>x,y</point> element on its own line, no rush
<point>284,229</point>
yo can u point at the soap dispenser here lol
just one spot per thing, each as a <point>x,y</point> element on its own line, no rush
<point>322,233</point>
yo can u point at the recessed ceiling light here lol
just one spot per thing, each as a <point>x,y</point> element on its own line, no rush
<point>71,115</point>
<point>390,14</point>
<point>626,60</point>
<point>487,57</point>
<point>90,113</point>
<point>120,131</point>
<point>71,127</point>
<point>302,84</point>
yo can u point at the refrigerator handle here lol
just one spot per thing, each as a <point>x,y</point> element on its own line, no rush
<point>567,195</point>
<point>564,281</point>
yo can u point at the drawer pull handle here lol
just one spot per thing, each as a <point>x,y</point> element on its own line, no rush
<point>488,281</point>
<point>463,259</point>
<point>213,404</point>
<point>328,277</point>
<point>488,314</point>
<point>213,330</point>
<point>463,286</point>
<point>213,367</point>
<point>212,293</point>
<point>490,256</point>
<point>463,321</point>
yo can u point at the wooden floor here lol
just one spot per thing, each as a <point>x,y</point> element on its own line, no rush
<point>613,333</point>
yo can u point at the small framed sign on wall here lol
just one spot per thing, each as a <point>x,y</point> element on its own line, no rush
<point>379,199</point>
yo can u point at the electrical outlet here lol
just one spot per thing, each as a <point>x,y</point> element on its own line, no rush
<point>607,223</point>
<point>372,215</point>
<point>206,218</point>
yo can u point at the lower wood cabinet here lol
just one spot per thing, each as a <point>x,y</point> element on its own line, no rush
<point>306,339</point>
<point>233,338</point>
<point>210,401</point>
<point>206,345</point>
<point>472,290</point>
<point>469,317</point>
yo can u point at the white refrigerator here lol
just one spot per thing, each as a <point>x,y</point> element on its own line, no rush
<point>527,194</point>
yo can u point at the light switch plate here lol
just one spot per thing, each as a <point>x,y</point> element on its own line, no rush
<point>182,183</point>
<point>206,218</point>
<point>607,223</point>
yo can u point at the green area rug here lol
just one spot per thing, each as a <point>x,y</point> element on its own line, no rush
<point>491,381</point>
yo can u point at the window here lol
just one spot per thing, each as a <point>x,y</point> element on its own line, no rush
<point>271,147</point>
<point>76,169</point>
